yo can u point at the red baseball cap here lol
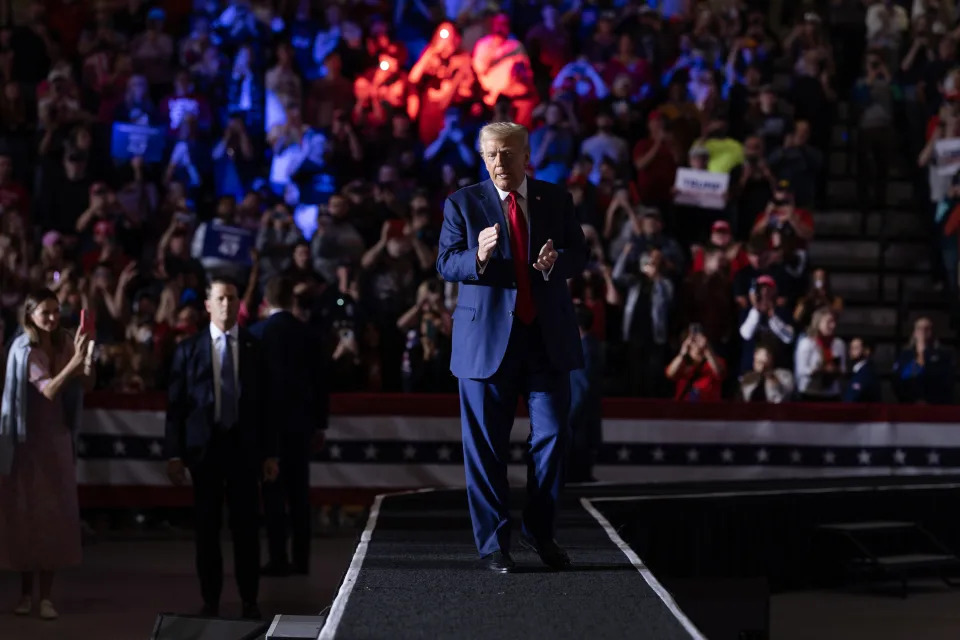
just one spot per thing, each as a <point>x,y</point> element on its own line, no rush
<point>766,281</point>
<point>720,225</point>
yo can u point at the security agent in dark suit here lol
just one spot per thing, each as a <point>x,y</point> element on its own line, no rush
<point>297,393</point>
<point>864,385</point>
<point>217,428</point>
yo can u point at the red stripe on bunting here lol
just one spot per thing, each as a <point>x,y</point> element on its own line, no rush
<point>448,405</point>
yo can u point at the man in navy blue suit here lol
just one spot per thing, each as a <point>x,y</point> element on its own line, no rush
<point>296,392</point>
<point>864,383</point>
<point>217,428</point>
<point>512,243</point>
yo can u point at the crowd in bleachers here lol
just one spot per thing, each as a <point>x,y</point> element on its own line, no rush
<point>145,146</point>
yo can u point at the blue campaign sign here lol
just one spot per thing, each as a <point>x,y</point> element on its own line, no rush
<point>227,243</point>
<point>131,140</point>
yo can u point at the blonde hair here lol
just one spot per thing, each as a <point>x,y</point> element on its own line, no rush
<point>814,329</point>
<point>34,300</point>
<point>503,131</point>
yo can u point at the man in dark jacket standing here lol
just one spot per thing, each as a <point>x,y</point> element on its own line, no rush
<point>217,428</point>
<point>296,392</point>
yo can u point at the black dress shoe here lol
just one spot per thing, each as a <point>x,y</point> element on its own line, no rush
<point>499,562</point>
<point>250,611</point>
<point>209,611</point>
<point>275,570</point>
<point>551,553</point>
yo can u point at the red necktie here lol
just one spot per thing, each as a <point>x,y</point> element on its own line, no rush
<point>519,244</point>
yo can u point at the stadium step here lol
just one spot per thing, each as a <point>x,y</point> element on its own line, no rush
<point>843,191</point>
<point>879,525</point>
<point>892,549</point>
<point>897,224</point>
<point>839,254</point>
<point>882,322</point>
<point>859,288</point>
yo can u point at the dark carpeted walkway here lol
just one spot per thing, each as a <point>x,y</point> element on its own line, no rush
<point>421,578</point>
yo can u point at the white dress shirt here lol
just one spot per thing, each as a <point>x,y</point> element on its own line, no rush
<point>522,206</point>
<point>217,337</point>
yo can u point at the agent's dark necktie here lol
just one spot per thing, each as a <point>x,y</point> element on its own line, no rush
<point>228,384</point>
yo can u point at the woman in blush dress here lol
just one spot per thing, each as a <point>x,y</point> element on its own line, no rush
<point>46,375</point>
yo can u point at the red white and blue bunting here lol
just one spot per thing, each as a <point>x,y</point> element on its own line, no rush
<point>393,442</point>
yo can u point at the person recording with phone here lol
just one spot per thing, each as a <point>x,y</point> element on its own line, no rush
<point>47,372</point>
<point>697,371</point>
<point>782,212</point>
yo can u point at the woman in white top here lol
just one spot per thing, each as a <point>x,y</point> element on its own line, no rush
<point>821,358</point>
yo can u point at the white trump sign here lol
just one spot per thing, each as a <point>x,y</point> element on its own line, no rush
<point>704,189</point>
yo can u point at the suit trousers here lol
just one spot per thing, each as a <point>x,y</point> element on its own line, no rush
<point>487,409</point>
<point>226,473</point>
<point>290,494</point>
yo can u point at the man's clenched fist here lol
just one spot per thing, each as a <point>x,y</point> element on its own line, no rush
<point>487,241</point>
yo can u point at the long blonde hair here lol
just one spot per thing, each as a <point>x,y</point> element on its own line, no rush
<point>813,330</point>
<point>34,300</point>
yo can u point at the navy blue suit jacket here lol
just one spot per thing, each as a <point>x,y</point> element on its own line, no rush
<point>296,390</point>
<point>483,318</point>
<point>864,385</point>
<point>191,400</point>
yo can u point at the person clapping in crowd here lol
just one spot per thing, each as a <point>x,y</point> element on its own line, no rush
<point>765,382</point>
<point>924,371</point>
<point>765,323</point>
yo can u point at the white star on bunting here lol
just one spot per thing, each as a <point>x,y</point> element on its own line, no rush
<point>155,449</point>
<point>762,456</point>
<point>796,457</point>
<point>409,452</point>
<point>119,449</point>
<point>657,454</point>
<point>370,452</point>
<point>444,452</point>
<point>900,456</point>
<point>727,455</point>
<point>623,454</point>
<point>693,455</point>
<point>863,457</point>
<point>829,457</point>
<point>933,458</point>
<point>335,452</point>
